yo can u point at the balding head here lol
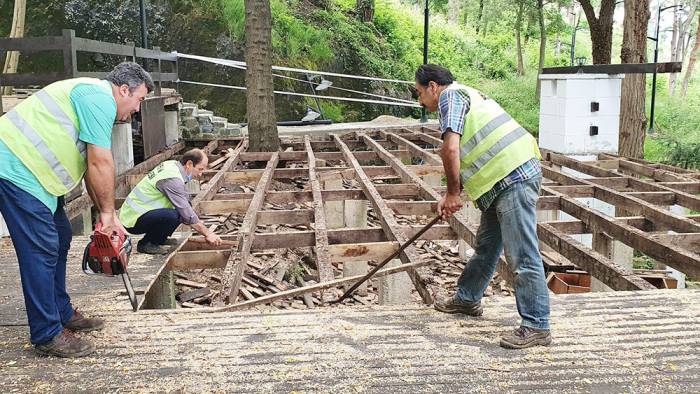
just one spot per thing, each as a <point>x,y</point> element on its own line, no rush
<point>195,162</point>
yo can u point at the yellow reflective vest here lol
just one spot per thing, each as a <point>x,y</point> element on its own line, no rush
<point>146,196</point>
<point>492,145</point>
<point>43,130</point>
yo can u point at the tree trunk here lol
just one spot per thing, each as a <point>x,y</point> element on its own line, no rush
<point>691,63</point>
<point>601,28</point>
<point>675,38</point>
<point>479,15</point>
<point>453,11</point>
<point>365,10</point>
<point>543,43</point>
<point>17,30</point>
<point>518,44</point>
<point>260,97</point>
<point>681,45</point>
<point>632,109</point>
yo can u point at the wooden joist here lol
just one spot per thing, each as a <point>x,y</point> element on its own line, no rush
<point>387,219</point>
<point>323,260</point>
<point>234,269</point>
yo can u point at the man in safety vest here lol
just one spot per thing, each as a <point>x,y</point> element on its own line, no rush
<point>490,157</point>
<point>47,143</point>
<point>160,202</point>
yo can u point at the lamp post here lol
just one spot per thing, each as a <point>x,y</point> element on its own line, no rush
<point>656,58</point>
<point>144,26</point>
<point>423,117</point>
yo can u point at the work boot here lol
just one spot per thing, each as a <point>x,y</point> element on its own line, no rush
<point>66,344</point>
<point>523,337</point>
<point>171,242</point>
<point>79,323</point>
<point>455,305</point>
<point>149,248</point>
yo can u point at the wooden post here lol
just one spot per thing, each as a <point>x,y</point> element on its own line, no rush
<point>70,63</point>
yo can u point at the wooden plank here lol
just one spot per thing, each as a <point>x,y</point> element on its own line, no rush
<point>387,219</point>
<point>626,68</point>
<point>417,208</point>
<point>599,266</point>
<point>289,217</point>
<point>201,259</point>
<point>234,271</point>
<point>690,241</point>
<point>375,251</point>
<point>321,247</point>
<point>153,125</point>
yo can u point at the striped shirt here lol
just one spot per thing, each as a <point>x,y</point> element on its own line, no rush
<point>453,108</point>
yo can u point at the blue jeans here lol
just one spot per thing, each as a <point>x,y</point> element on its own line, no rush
<point>41,240</point>
<point>157,225</point>
<point>511,223</point>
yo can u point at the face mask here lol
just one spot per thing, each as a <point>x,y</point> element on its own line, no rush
<point>188,177</point>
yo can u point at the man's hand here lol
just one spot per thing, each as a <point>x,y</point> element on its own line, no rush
<point>213,239</point>
<point>110,222</point>
<point>448,205</point>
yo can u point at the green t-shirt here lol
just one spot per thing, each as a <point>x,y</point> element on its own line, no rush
<point>96,110</point>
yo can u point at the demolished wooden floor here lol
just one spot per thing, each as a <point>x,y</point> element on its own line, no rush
<point>389,169</point>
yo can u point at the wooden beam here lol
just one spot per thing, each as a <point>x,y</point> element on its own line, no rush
<point>620,200</point>
<point>196,260</point>
<point>323,253</point>
<point>386,218</point>
<point>415,150</point>
<point>669,254</point>
<point>234,269</point>
<point>599,266</point>
<point>626,68</point>
<point>690,241</point>
<point>376,251</point>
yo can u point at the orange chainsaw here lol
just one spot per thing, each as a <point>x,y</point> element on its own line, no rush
<point>108,254</point>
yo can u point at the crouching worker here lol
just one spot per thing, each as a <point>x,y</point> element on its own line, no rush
<point>160,202</point>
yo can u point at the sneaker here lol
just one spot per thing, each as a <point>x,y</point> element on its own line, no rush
<point>79,323</point>
<point>66,344</point>
<point>455,305</point>
<point>149,248</point>
<point>523,337</point>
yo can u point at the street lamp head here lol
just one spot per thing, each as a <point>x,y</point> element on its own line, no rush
<point>325,84</point>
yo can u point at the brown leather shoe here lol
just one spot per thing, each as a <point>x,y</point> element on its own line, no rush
<point>455,305</point>
<point>79,323</point>
<point>66,344</point>
<point>523,337</point>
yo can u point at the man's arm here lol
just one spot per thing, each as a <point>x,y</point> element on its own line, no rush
<point>450,203</point>
<point>99,181</point>
<point>175,191</point>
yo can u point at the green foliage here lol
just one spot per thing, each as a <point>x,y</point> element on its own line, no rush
<point>677,138</point>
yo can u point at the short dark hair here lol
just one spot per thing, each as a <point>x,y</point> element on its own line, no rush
<point>132,75</point>
<point>432,72</point>
<point>195,155</point>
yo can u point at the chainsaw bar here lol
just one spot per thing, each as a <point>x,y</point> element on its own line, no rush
<point>130,291</point>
